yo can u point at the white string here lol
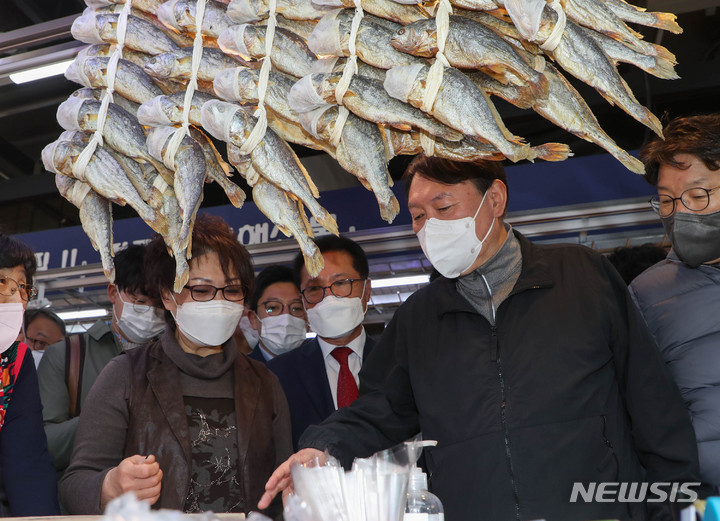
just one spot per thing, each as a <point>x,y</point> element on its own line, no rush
<point>79,192</point>
<point>435,74</point>
<point>260,128</point>
<point>184,129</point>
<point>349,71</point>
<point>554,39</point>
<point>160,184</point>
<point>336,135</point>
<point>85,156</point>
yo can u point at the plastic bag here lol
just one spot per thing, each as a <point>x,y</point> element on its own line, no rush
<point>68,112</point>
<point>246,11</point>
<point>232,41</point>
<point>217,117</point>
<point>526,16</point>
<point>166,14</point>
<point>239,84</point>
<point>399,81</point>
<point>310,120</point>
<point>85,28</point>
<point>325,38</point>
<point>151,113</point>
<point>303,96</point>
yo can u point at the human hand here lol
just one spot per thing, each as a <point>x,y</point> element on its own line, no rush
<point>281,480</point>
<point>139,474</point>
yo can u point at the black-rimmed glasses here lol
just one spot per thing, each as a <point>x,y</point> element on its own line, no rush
<point>694,199</point>
<point>275,308</point>
<point>205,292</point>
<point>339,288</point>
<point>9,287</point>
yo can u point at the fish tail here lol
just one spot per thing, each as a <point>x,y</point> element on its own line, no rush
<point>234,194</point>
<point>663,69</point>
<point>314,262</point>
<point>668,22</point>
<point>661,53</point>
<point>326,220</point>
<point>182,271</point>
<point>389,209</point>
<point>553,151</point>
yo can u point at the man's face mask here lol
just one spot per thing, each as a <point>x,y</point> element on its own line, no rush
<point>695,237</point>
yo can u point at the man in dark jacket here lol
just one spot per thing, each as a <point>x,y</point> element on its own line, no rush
<point>679,297</point>
<point>528,364</point>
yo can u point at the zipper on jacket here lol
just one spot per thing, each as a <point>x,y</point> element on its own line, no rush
<point>503,419</point>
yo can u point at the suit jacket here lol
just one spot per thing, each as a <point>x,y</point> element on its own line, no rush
<point>303,378</point>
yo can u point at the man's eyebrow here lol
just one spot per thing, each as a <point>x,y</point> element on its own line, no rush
<point>441,195</point>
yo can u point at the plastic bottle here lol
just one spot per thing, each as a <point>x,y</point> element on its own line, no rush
<point>422,505</point>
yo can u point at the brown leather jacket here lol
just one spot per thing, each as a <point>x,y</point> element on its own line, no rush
<point>158,425</point>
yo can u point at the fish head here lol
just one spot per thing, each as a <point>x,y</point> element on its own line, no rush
<point>58,156</point>
<point>166,13</point>
<point>87,93</point>
<point>185,15</point>
<point>107,27</point>
<point>417,38</point>
<point>160,66</point>
<point>158,111</point>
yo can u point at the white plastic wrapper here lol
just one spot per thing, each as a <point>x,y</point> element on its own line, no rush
<point>399,80</point>
<point>48,156</point>
<point>151,113</point>
<point>232,41</point>
<point>98,4</point>
<point>68,112</point>
<point>328,3</point>
<point>216,117</point>
<point>526,15</point>
<point>75,72</point>
<point>166,14</point>
<point>246,11</point>
<point>303,96</point>
<point>325,38</point>
<point>324,65</point>
<point>226,84</point>
<point>84,28</point>
<point>407,2</point>
<point>309,120</point>
<point>157,139</point>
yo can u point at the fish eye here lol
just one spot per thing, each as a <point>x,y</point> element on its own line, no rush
<point>401,31</point>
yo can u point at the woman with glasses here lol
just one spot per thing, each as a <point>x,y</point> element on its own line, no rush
<point>27,478</point>
<point>277,313</point>
<point>185,422</point>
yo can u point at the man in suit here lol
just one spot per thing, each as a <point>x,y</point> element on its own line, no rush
<point>276,313</point>
<point>322,375</point>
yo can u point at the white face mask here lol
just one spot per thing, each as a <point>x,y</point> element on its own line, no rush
<point>11,319</point>
<point>250,333</point>
<point>282,333</point>
<point>452,246</point>
<point>210,323</point>
<point>139,323</point>
<point>335,317</point>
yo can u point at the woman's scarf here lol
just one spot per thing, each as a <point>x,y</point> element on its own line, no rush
<point>10,363</point>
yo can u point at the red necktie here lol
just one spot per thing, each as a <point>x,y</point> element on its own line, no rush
<point>347,390</point>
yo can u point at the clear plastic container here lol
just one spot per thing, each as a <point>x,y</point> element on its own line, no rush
<point>422,505</point>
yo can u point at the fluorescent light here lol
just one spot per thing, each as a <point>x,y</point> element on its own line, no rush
<point>401,281</point>
<point>85,313</point>
<point>390,298</point>
<point>310,334</point>
<point>37,73</point>
<point>81,327</point>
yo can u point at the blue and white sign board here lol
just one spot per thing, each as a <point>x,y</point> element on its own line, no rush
<point>532,186</point>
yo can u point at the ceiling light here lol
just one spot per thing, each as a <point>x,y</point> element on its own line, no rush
<point>37,73</point>
<point>85,313</point>
<point>400,281</point>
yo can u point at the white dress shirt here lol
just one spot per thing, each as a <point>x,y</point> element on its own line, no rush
<point>332,366</point>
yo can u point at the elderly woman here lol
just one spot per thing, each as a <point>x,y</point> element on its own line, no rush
<point>185,422</point>
<point>27,478</point>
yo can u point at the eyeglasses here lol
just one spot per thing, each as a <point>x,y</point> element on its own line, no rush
<point>9,287</point>
<point>694,199</point>
<point>339,288</point>
<point>35,344</point>
<point>205,292</point>
<point>274,308</point>
<point>140,307</point>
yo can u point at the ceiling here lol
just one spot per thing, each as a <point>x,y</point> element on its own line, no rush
<point>34,30</point>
